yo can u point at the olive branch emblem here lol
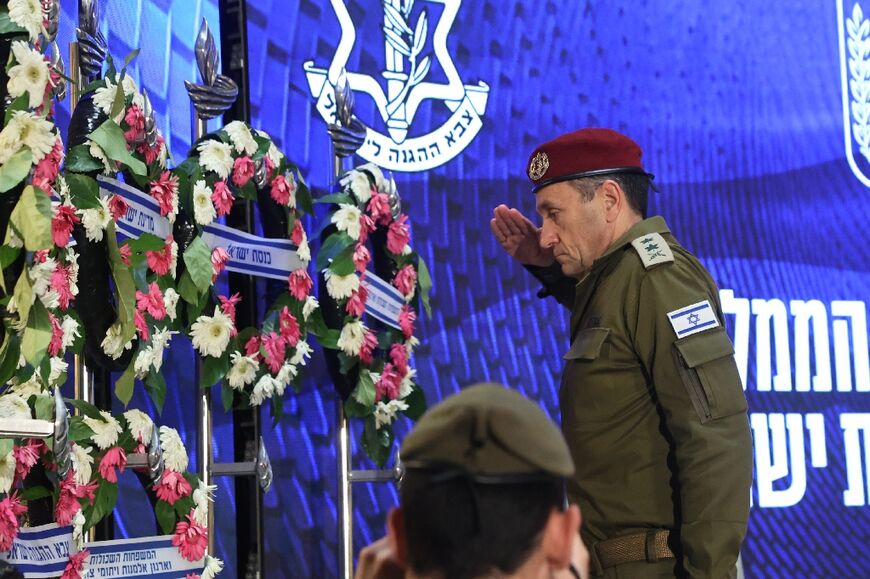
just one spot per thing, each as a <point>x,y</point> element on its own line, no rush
<point>408,43</point>
<point>858,45</point>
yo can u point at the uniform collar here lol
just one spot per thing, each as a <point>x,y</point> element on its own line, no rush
<point>652,225</point>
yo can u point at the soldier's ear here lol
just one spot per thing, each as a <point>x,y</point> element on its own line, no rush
<point>561,534</point>
<point>613,199</point>
<point>396,535</point>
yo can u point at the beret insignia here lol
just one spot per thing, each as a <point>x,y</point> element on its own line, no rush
<point>538,166</point>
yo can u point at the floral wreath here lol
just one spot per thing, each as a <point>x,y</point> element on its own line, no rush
<point>385,386</point>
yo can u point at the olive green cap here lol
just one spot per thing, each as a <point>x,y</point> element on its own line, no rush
<point>487,429</point>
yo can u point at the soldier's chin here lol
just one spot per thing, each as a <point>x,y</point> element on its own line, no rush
<point>570,269</point>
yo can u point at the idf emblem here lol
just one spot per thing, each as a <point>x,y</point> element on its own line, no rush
<point>854,29</point>
<point>410,52</point>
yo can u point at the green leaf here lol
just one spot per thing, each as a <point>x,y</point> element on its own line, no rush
<point>343,264</point>
<point>125,286</point>
<point>79,160</point>
<point>197,258</point>
<point>78,430</point>
<point>33,493</point>
<point>6,445</point>
<point>187,167</point>
<point>303,197</point>
<point>32,219</point>
<point>146,242</point>
<point>365,392</point>
<point>6,24</point>
<point>276,409</point>
<point>119,100</point>
<point>104,502</point>
<point>84,191</point>
<point>9,355</point>
<point>249,191</point>
<point>332,198</point>
<point>23,294</point>
<point>110,138</point>
<point>347,363</point>
<point>377,442</point>
<point>16,169</point>
<point>129,58</point>
<point>187,289</point>
<point>43,406</point>
<point>165,517</point>
<point>22,103</point>
<point>424,280</point>
<point>334,244</point>
<point>37,335</point>
<point>124,384</point>
<point>227,398</point>
<point>84,408</point>
<point>8,255</point>
<point>214,369</point>
<point>155,385</point>
<point>416,402</point>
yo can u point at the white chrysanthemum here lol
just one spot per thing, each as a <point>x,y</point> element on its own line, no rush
<point>202,496</point>
<point>82,463</point>
<point>40,279</point>
<point>407,250</point>
<point>31,387</point>
<point>70,328</point>
<point>340,286</point>
<point>385,413</point>
<point>347,219</point>
<point>351,338</point>
<point>303,252</point>
<point>358,184</point>
<point>104,97</point>
<point>33,132</point>
<point>141,426</point>
<point>242,372</point>
<point>62,188</point>
<point>264,389</point>
<point>96,220</point>
<point>159,342</point>
<point>113,345</point>
<point>58,370</point>
<point>243,140</point>
<point>78,533</point>
<point>302,354</point>
<point>405,387</point>
<point>210,335</point>
<point>97,153</point>
<point>213,566</point>
<point>106,431</point>
<point>13,406</point>
<point>28,15</point>
<point>381,184</point>
<point>286,374</point>
<point>274,154</point>
<point>173,257</point>
<point>308,308</point>
<point>174,454</point>
<point>203,209</point>
<point>29,76</point>
<point>7,472</point>
<point>216,156</point>
<point>128,85</point>
<point>170,301</point>
<point>10,143</point>
<point>143,362</point>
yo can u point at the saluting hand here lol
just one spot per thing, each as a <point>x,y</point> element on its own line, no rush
<point>519,237</point>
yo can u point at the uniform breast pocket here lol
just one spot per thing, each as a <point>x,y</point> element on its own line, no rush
<point>588,344</point>
<point>708,370</point>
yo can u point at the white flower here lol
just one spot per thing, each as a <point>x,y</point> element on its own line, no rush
<point>202,495</point>
<point>351,338</point>
<point>129,85</point>
<point>203,209</point>
<point>170,300</point>
<point>13,406</point>
<point>263,389</point>
<point>112,344</point>
<point>58,370</point>
<point>160,341</point>
<point>410,344</point>
<point>213,566</point>
<point>28,15</point>
<point>106,431</point>
<point>385,413</point>
<point>70,328</point>
<point>7,472</point>
<point>210,335</point>
<point>309,306</point>
<point>407,250</point>
<point>274,154</point>
<point>62,189</point>
<point>405,387</point>
<point>347,219</point>
<point>216,156</point>
<point>29,76</point>
<point>32,387</point>
<point>286,374</point>
<point>381,184</point>
<point>40,279</point>
<point>82,463</point>
<point>104,97</point>
<point>303,352</point>
<point>96,220</point>
<point>358,184</point>
<point>174,455</point>
<point>340,286</point>
<point>141,426</point>
<point>243,140</point>
<point>10,143</point>
<point>78,534</point>
<point>173,257</point>
<point>303,252</point>
<point>242,372</point>
<point>12,239</point>
<point>143,362</point>
<point>33,132</point>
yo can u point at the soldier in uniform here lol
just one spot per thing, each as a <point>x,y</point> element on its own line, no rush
<point>652,404</point>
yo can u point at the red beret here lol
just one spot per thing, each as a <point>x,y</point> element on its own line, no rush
<point>584,153</point>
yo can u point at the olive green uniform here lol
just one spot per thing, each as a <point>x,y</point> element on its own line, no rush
<point>656,424</point>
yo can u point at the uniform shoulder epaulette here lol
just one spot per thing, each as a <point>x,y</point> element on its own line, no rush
<point>653,250</point>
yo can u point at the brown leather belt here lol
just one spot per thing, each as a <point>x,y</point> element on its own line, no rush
<point>650,547</point>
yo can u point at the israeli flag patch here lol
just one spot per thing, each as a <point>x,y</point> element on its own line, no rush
<point>693,319</point>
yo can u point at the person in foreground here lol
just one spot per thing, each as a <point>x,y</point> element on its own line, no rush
<point>483,495</point>
<point>652,404</point>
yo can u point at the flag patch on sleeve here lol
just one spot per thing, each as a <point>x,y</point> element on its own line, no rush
<point>693,319</point>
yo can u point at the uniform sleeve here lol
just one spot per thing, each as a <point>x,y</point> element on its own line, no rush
<point>555,283</point>
<point>697,384</point>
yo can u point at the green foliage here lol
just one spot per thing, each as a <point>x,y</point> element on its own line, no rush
<point>78,430</point>
<point>32,219</point>
<point>6,24</point>
<point>416,402</point>
<point>334,244</point>
<point>197,259</point>
<point>23,294</point>
<point>342,263</point>
<point>79,160</point>
<point>9,354</point>
<point>37,335</point>
<point>110,137</point>
<point>104,502</point>
<point>424,279</point>
<point>83,190</point>
<point>214,369</point>
<point>155,385</point>
<point>125,286</point>
<point>84,408</point>
<point>16,169</point>
<point>124,384</point>
<point>165,517</point>
<point>377,442</point>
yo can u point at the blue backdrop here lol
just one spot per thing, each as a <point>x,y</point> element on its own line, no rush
<point>753,116</point>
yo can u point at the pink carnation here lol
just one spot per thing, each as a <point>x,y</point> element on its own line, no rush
<point>366,350</point>
<point>160,261</point>
<point>46,169</point>
<point>366,226</point>
<point>361,257</point>
<point>275,349</point>
<point>164,190</point>
<point>252,347</point>
<point>118,207</point>
<point>300,284</point>
<point>356,304</point>
<point>407,317</point>
<point>398,235</point>
<point>152,302</point>
<point>56,344</point>
<point>191,538</point>
<point>283,190</point>
<point>26,457</point>
<point>61,283</point>
<point>289,327</point>
<point>68,499</point>
<point>40,256</point>
<point>62,224</point>
<point>172,486</point>
<point>379,209</point>
<point>135,119</point>
<point>222,198</point>
<point>243,170</point>
<point>219,259</point>
<point>10,509</point>
<point>298,233</point>
<point>126,253</point>
<point>228,306</point>
<point>114,458</point>
<point>76,565</point>
<point>406,280</point>
<point>388,384</point>
<point>399,357</point>
<point>141,325</point>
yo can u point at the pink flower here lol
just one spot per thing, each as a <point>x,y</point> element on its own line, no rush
<point>40,256</point>
<point>172,486</point>
<point>56,344</point>
<point>191,538</point>
<point>270,166</point>
<point>192,576</point>
<point>275,349</point>
<point>46,169</point>
<point>298,233</point>
<point>219,259</point>
<point>126,253</point>
<point>152,302</point>
<point>399,357</point>
<point>164,190</point>
<point>366,351</point>
<point>379,209</point>
<point>151,154</point>
<point>228,306</point>
<point>222,198</point>
<point>361,257</point>
<point>282,190</point>
<point>243,170</point>
<point>407,317</point>
<point>252,347</point>
<point>366,226</point>
<point>160,261</point>
<point>114,458</point>
<point>10,509</point>
<point>398,235</point>
<point>118,207</point>
<point>300,284</point>
<point>135,119</point>
<point>141,325</point>
<point>67,501</point>
<point>356,303</point>
<point>61,280</point>
<point>388,384</point>
<point>406,280</point>
<point>62,224</point>
<point>289,327</point>
<point>76,565</point>
<point>26,457</point>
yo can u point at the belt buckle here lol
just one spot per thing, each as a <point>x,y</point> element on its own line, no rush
<point>650,550</point>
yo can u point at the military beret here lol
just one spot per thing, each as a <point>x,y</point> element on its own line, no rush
<point>488,430</point>
<point>584,153</point>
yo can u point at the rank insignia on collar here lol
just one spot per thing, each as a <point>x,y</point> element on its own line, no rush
<point>653,250</point>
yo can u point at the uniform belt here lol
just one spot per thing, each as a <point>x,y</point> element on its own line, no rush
<point>650,547</point>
